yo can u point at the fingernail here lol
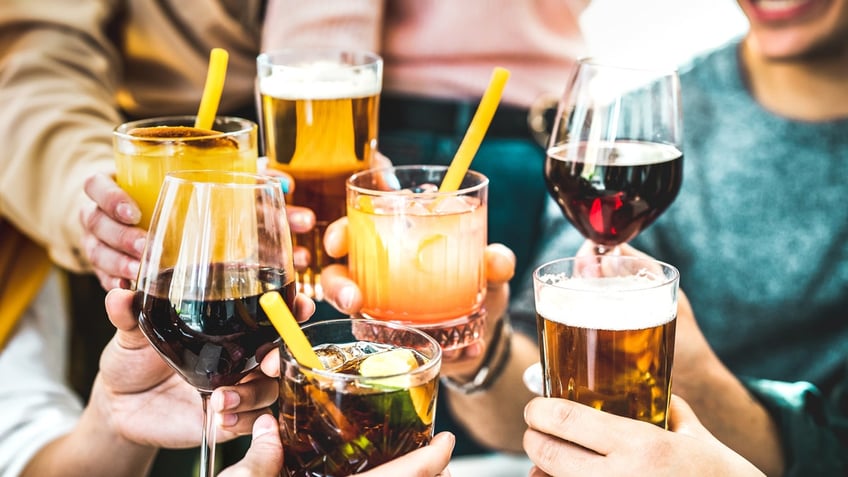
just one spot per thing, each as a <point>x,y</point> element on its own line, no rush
<point>263,426</point>
<point>284,185</point>
<point>128,213</point>
<point>133,267</point>
<point>345,298</point>
<point>449,438</point>
<point>138,245</point>
<point>231,400</point>
<point>227,420</point>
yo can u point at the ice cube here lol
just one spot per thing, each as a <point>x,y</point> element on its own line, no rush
<point>331,356</point>
<point>417,208</point>
<point>452,205</point>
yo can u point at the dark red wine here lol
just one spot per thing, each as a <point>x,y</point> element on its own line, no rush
<point>613,191</point>
<point>216,339</point>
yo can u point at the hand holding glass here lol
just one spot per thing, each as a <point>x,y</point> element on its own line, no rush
<point>217,242</point>
<point>419,254</point>
<point>606,329</point>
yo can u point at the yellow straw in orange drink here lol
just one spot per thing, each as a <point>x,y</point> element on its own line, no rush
<point>288,328</point>
<point>213,88</point>
<point>476,130</point>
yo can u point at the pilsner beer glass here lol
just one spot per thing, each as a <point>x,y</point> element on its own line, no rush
<point>147,149</point>
<point>606,329</point>
<point>319,121</point>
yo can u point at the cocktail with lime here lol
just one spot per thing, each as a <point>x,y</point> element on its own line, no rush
<point>374,400</point>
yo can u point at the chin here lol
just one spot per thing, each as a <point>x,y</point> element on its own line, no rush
<point>797,29</point>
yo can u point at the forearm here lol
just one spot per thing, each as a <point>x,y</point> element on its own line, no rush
<point>56,94</point>
<point>91,450</point>
<point>495,417</point>
<point>732,414</point>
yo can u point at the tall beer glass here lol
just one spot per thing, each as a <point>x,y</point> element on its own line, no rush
<point>319,120</point>
<point>606,331</point>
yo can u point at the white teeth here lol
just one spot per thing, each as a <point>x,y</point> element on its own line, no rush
<point>778,5</point>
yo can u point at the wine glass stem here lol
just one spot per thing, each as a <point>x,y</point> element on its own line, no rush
<point>607,250</point>
<point>207,449</point>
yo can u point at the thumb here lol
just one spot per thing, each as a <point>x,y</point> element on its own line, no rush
<point>682,419</point>
<point>265,456</point>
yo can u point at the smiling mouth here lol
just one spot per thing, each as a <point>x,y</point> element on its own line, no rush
<point>781,10</point>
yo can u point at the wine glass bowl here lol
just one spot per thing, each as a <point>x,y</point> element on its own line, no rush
<point>218,241</point>
<point>615,158</point>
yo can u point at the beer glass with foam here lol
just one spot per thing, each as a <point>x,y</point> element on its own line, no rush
<point>606,329</point>
<point>319,120</point>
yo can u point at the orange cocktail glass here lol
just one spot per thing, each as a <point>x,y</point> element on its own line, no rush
<point>417,253</point>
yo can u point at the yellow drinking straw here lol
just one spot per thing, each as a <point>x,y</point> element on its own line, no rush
<point>476,130</point>
<point>288,328</point>
<point>212,89</point>
<point>283,320</point>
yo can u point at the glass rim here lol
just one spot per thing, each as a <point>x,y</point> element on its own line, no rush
<point>122,130</point>
<point>370,58</point>
<point>612,64</point>
<point>425,368</point>
<point>483,182</point>
<point>674,275</point>
<point>260,180</point>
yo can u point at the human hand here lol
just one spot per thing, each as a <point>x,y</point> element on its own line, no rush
<point>264,458</point>
<point>113,243</point>
<point>343,293</point>
<point>144,401</point>
<point>566,438</point>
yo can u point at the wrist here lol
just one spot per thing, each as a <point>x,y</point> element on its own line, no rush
<point>492,365</point>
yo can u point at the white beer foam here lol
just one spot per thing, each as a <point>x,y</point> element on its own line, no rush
<point>599,303</point>
<point>320,80</point>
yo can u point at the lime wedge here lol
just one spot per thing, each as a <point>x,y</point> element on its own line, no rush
<point>394,364</point>
<point>389,363</point>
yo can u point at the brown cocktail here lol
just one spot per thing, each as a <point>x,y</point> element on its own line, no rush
<point>374,402</point>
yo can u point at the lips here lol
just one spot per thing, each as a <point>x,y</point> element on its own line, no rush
<point>781,10</point>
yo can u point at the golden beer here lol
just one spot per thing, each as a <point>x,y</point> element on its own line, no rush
<point>608,342</point>
<point>319,117</point>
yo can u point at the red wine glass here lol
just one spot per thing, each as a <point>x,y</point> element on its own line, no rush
<point>217,242</point>
<point>615,156</point>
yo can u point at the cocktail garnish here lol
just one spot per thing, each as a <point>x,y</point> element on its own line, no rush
<point>476,130</point>
<point>215,76</point>
<point>396,364</point>
<point>393,363</point>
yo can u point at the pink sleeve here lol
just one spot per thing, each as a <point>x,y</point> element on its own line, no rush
<point>353,24</point>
